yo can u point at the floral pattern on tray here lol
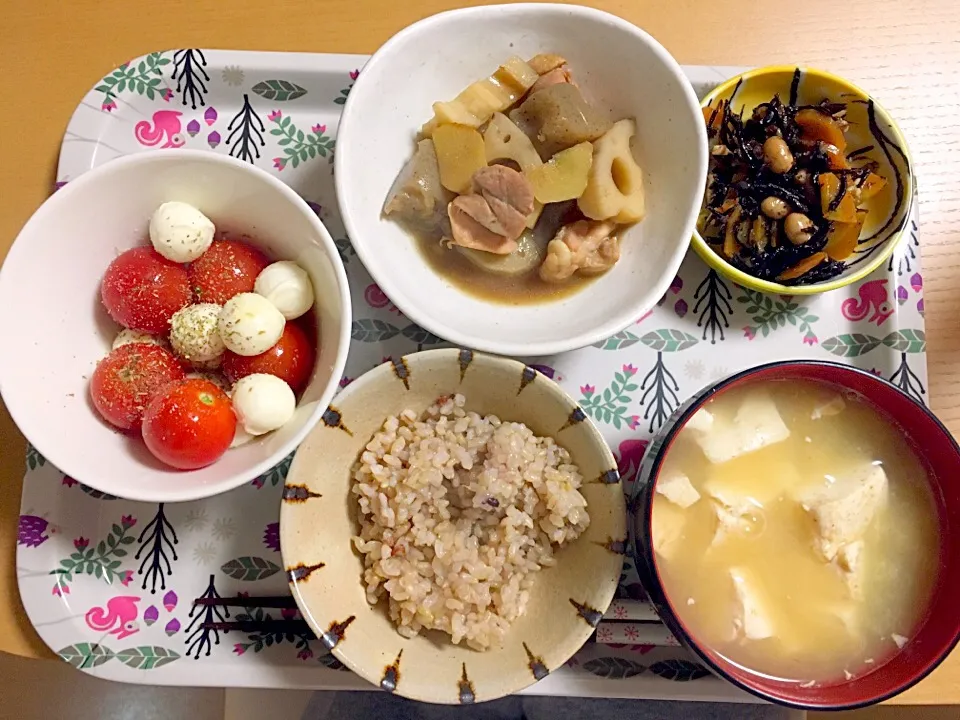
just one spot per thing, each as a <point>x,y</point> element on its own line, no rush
<point>109,584</point>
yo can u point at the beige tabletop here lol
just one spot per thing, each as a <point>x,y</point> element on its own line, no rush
<point>905,52</point>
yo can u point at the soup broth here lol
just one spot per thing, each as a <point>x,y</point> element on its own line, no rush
<point>808,546</point>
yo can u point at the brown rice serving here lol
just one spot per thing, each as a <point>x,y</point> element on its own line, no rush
<point>457,513</point>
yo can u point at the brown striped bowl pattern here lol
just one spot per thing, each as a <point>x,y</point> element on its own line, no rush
<point>318,519</point>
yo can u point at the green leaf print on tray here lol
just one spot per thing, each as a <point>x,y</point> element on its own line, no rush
<point>623,339</point>
<point>249,568</point>
<point>84,656</point>
<point>102,561</point>
<point>143,78</point>
<point>615,668</point>
<point>370,330</point>
<point>771,312</point>
<point>668,340</point>
<point>610,406</point>
<point>279,90</point>
<point>34,458</point>
<point>849,345</point>
<point>297,145</point>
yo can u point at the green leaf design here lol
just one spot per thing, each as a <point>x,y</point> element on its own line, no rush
<point>279,90</point>
<point>147,657</point>
<point>621,340</point>
<point>372,330</point>
<point>850,345</point>
<point>668,340</point>
<point>614,668</point>
<point>679,670</point>
<point>86,655</point>
<point>420,336</point>
<point>908,341</point>
<point>250,568</point>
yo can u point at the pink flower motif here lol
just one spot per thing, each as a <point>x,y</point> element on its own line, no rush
<point>239,648</point>
<point>354,74</point>
<point>587,390</point>
<point>916,282</point>
<point>630,454</point>
<point>60,590</point>
<point>631,632</point>
<point>920,306</point>
<point>680,307</point>
<point>244,594</point>
<point>108,106</point>
<point>81,543</point>
<point>604,633</point>
<point>344,381</point>
<point>630,370</point>
<point>877,372</point>
<point>128,521</point>
<point>386,359</point>
<point>634,422</point>
<point>279,163</point>
<point>809,339</point>
<point>375,297</point>
<point>258,483</point>
<point>167,95</point>
<point>125,577</point>
<point>288,613</point>
<point>68,481</point>
<point>305,654</point>
<point>620,612</point>
<point>274,115</point>
<point>749,332</point>
<point>319,129</point>
<point>677,285</point>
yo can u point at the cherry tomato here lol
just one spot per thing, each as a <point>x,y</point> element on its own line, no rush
<point>127,379</point>
<point>291,360</point>
<point>190,424</point>
<point>142,290</point>
<point>227,268</point>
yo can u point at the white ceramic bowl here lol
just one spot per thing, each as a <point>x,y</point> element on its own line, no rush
<point>625,69</point>
<point>55,328</point>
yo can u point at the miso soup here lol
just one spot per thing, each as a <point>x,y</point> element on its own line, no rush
<point>795,531</point>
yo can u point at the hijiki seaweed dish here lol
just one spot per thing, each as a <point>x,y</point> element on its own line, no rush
<point>785,199</point>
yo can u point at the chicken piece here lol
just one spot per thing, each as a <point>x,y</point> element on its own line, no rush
<point>756,425</point>
<point>666,527</point>
<point>585,245</point>
<point>545,62</point>
<point>753,618</point>
<point>844,510</point>
<point>417,198</point>
<point>556,76</point>
<point>677,488</point>
<point>494,215</point>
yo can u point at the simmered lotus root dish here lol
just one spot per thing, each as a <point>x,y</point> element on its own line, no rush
<point>785,198</point>
<point>520,185</point>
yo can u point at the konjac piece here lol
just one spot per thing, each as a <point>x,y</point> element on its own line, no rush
<point>558,117</point>
<point>494,214</point>
<point>584,246</point>
<point>417,198</point>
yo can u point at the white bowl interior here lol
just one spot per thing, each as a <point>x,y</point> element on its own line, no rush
<point>621,67</point>
<point>50,305</point>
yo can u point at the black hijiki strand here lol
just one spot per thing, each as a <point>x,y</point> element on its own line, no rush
<point>739,177</point>
<point>157,543</point>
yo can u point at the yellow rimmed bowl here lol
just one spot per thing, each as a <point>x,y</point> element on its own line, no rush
<point>318,518</point>
<point>870,124</point>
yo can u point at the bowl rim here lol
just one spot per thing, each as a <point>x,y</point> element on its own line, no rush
<point>48,447</point>
<point>411,308</point>
<point>385,372</point>
<point>768,286</point>
<point>641,507</point>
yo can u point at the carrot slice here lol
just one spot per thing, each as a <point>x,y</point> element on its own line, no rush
<point>802,267</point>
<point>842,238</point>
<point>871,186</point>
<point>713,115</point>
<point>846,209</point>
<point>835,157</point>
<point>815,125</point>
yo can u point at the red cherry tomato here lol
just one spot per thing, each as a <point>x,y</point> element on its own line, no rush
<point>291,360</point>
<point>142,290</point>
<point>127,379</point>
<point>227,268</point>
<point>190,424</point>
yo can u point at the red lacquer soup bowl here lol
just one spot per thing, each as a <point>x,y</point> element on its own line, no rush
<point>939,629</point>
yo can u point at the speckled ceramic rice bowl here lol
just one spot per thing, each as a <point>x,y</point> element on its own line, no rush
<point>559,605</point>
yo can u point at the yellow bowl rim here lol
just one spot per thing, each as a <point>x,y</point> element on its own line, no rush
<point>742,278</point>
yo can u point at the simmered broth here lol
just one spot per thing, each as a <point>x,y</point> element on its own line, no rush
<point>811,551</point>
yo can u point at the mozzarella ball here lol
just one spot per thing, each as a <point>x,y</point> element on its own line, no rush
<point>128,337</point>
<point>180,232</point>
<point>194,335</point>
<point>250,324</point>
<point>262,402</point>
<point>287,286</point>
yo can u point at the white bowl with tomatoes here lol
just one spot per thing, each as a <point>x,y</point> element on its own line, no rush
<point>175,323</point>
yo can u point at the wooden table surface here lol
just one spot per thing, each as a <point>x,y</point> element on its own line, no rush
<point>905,52</point>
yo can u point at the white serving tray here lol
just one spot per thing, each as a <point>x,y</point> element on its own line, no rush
<point>123,611</point>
